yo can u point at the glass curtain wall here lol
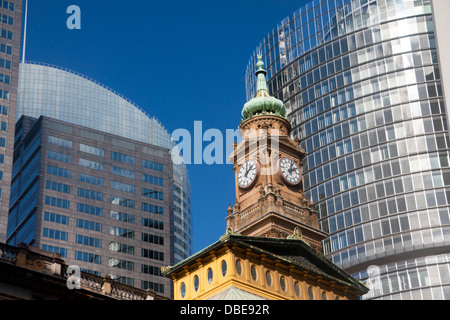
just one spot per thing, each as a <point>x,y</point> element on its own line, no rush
<point>68,96</point>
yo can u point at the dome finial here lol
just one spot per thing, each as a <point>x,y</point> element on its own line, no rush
<point>263,103</point>
<point>260,64</point>
<point>261,82</point>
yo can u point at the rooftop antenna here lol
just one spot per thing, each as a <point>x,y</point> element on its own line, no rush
<point>25,32</point>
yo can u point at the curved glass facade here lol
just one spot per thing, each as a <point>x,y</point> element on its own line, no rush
<point>67,96</point>
<point>64,95</point>
<point>362,85</point>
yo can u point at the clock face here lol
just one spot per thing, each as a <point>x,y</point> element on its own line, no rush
<point>248,173</point>
<point>289,171</point>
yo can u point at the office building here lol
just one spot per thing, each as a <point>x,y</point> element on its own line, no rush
<point>10,39</point>
<point>93,180</point>
<point>363,83</point>
<point>98,200</point>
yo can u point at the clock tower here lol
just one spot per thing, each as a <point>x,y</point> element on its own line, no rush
<point>270,200</point>
<point>272,248</point>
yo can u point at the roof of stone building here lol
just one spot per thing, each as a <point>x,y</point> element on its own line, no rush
<point>29,273</point>
<point>291,251</point>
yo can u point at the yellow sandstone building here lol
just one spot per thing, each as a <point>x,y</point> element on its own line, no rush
<point>272,249</point>
<point>254,268</point>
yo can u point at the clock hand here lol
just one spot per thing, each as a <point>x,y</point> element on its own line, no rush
<point>249,169</point>
<point>246,172</point>
<point>291,169</point>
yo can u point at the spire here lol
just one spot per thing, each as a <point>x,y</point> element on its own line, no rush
<point>261,82</point>
<point>263,103</point>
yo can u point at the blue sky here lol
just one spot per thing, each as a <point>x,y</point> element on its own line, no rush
<point>181,61</point>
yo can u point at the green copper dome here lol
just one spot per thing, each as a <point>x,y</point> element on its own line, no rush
<point>263,103</point>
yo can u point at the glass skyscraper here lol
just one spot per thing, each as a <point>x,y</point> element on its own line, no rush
<point>93,179</point>
<point>10,38</point>
<point>362,82</point>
